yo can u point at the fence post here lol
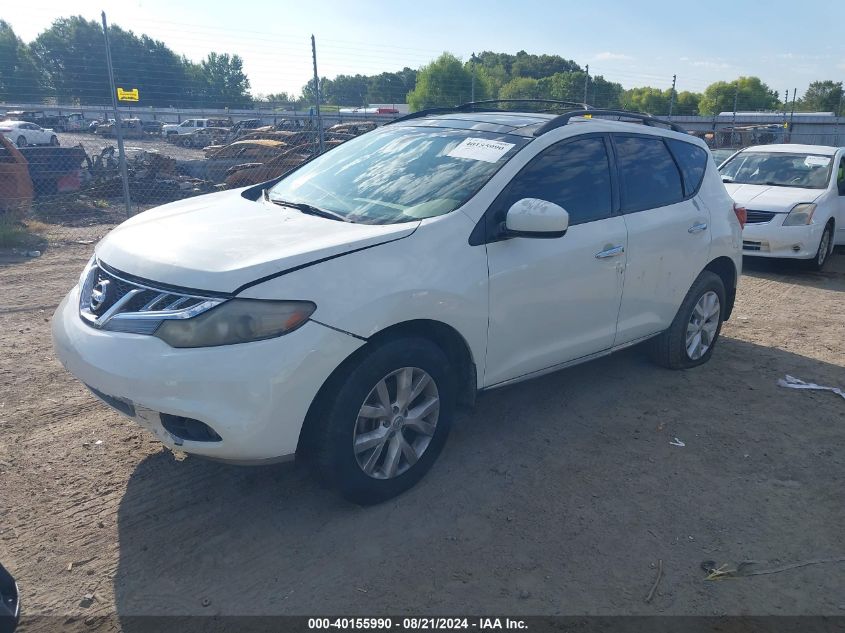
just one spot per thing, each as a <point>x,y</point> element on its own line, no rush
<point>586,82</point>
<point>317,92</point>
<point>672,97</point>
<point>124,176</point>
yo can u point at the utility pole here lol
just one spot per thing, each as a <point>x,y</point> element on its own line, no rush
<point>317,92</point>
<point>792,115</point>
<point>472,59</point>
<point>586,83</point>
<point>672,97</point>
<point>121,154</point>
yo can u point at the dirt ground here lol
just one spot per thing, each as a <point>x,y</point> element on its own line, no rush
<point>94,143</point>
<point>556,496</point>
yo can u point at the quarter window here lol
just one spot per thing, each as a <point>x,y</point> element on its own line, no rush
<point>693,162</point>
<point>648,175</point>
<point>575,175</point>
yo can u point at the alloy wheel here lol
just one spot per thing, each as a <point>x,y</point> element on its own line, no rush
<point>702,326</point>
<point>396,423</point>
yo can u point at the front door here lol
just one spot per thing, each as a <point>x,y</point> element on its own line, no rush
<point>556,300</point>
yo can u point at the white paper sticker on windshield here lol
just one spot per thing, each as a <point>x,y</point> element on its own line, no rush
<point>481,149</point>
<point>817,161</point>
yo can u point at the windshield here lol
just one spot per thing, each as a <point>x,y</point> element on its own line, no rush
<point>810,171</point>
<point>399,174</point>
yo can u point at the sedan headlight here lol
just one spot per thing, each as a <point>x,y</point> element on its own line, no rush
<point>800,215</point>
<point>236,321</point>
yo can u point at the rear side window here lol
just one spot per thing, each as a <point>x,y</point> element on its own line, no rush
<point>648,175</point>
<point>575,175</point>
<point>692,160</point>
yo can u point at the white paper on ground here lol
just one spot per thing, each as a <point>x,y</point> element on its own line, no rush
<point>480,149</point>
<point>797,383</point>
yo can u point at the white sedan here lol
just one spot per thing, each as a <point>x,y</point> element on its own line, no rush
<point>23,133</point>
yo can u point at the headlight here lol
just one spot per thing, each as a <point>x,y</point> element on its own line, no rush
<point>85,271</point>
<point>236,321</point>
<point>800,215</point>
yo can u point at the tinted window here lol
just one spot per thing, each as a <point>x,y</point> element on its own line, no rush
<point>778,169</point>
<point>693,162</point>
<point>648,174</point>
<point>574,175</point>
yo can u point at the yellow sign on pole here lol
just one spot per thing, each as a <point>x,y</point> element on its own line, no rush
<point>127,95</point>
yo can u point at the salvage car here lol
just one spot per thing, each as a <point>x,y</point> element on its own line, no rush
<point>221,158</point>
<point>795,200</point>
<point>202,138</point>
<point>343,311</point>
<point>253,173</point>
<point>23,133</point>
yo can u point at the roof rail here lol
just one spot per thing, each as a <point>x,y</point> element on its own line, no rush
<point>487,106</point>
<point>646,118</point>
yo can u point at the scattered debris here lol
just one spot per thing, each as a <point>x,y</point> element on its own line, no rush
<point>740,570</point>
<point>676,442</point>
<point>206,602</point>
<point>651,593</point>
<point>98,442</point>
<point>797,383</point>
<point>87,600</point>
<point>33,253</point>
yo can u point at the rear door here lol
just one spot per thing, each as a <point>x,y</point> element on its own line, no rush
<point>556,300</point>
<point>668,229</point>
<point>839,215</point>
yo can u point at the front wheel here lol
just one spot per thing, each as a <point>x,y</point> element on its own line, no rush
<point>21,142</point>
<point>818,262</point>
<point>388,418</point>
<point>690,339</point>
<point>54,141</point>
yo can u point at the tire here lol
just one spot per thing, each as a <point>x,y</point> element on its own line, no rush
<point>824,250</point>
<point>54,141</point>
<point>338,424</point>
<point>671,349</point>
<point>21,142</point>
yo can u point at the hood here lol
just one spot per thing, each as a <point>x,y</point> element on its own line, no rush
<point>221,241</point>
<point>769,198</point>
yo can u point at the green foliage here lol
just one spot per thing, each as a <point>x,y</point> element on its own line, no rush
<point>20,78</point>
<point>521,88</point>
<point>646,99</point>
<point>444,82</point>
<point>822,96</point>
<point>225,82</point>
<point>752,95</point>
<point>686,103</point>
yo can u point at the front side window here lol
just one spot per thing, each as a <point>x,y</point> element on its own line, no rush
<point>574,175</point>
<point>778,169</point>
<point>399,173</point>
<point>648,175</point>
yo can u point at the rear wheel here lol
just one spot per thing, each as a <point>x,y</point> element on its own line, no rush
<point>54,141</point>
<point>21,142</point>
<point>824,250</point>
<point>690,339</point>
<point>387,421</point>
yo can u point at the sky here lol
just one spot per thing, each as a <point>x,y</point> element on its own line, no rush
<point>633,43</point>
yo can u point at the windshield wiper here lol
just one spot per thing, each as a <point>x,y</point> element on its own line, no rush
<point>310,209</point>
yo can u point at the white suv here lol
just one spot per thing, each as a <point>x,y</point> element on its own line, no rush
<point>343,310</point>
<point>795,200</point>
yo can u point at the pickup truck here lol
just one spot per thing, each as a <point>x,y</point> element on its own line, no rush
<point>189,126</point>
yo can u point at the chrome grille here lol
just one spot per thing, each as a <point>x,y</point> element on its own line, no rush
<point>110,302</point>
<point>753,216</point>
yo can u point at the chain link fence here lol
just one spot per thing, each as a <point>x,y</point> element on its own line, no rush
<point>63,177</point>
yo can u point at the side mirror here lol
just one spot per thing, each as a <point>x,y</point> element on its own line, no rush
<point>533,217</point>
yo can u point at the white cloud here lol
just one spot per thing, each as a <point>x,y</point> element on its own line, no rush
<point>607,56</point>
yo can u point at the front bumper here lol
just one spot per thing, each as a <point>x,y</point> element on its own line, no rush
<point>255,396</point>
<point>772,239</point>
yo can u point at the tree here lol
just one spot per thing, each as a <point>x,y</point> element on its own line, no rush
<point>391,87</point>
<point>647,99</point>
<point>444,82</point>
<point>752,94</point>
<point>822,96</point>
<point>522,88</point>
<point>20,78</point>
<point>686,103</point>
<point>226,84</point>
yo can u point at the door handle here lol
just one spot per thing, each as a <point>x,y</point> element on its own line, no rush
<point>611,252</point>
<point>697,228</point>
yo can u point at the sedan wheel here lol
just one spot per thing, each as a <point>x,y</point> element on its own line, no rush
<point>703,324</point>
<point>818,262</point>
<point>21,142</point>
<point>54,141</point>
<point>396,423</point>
